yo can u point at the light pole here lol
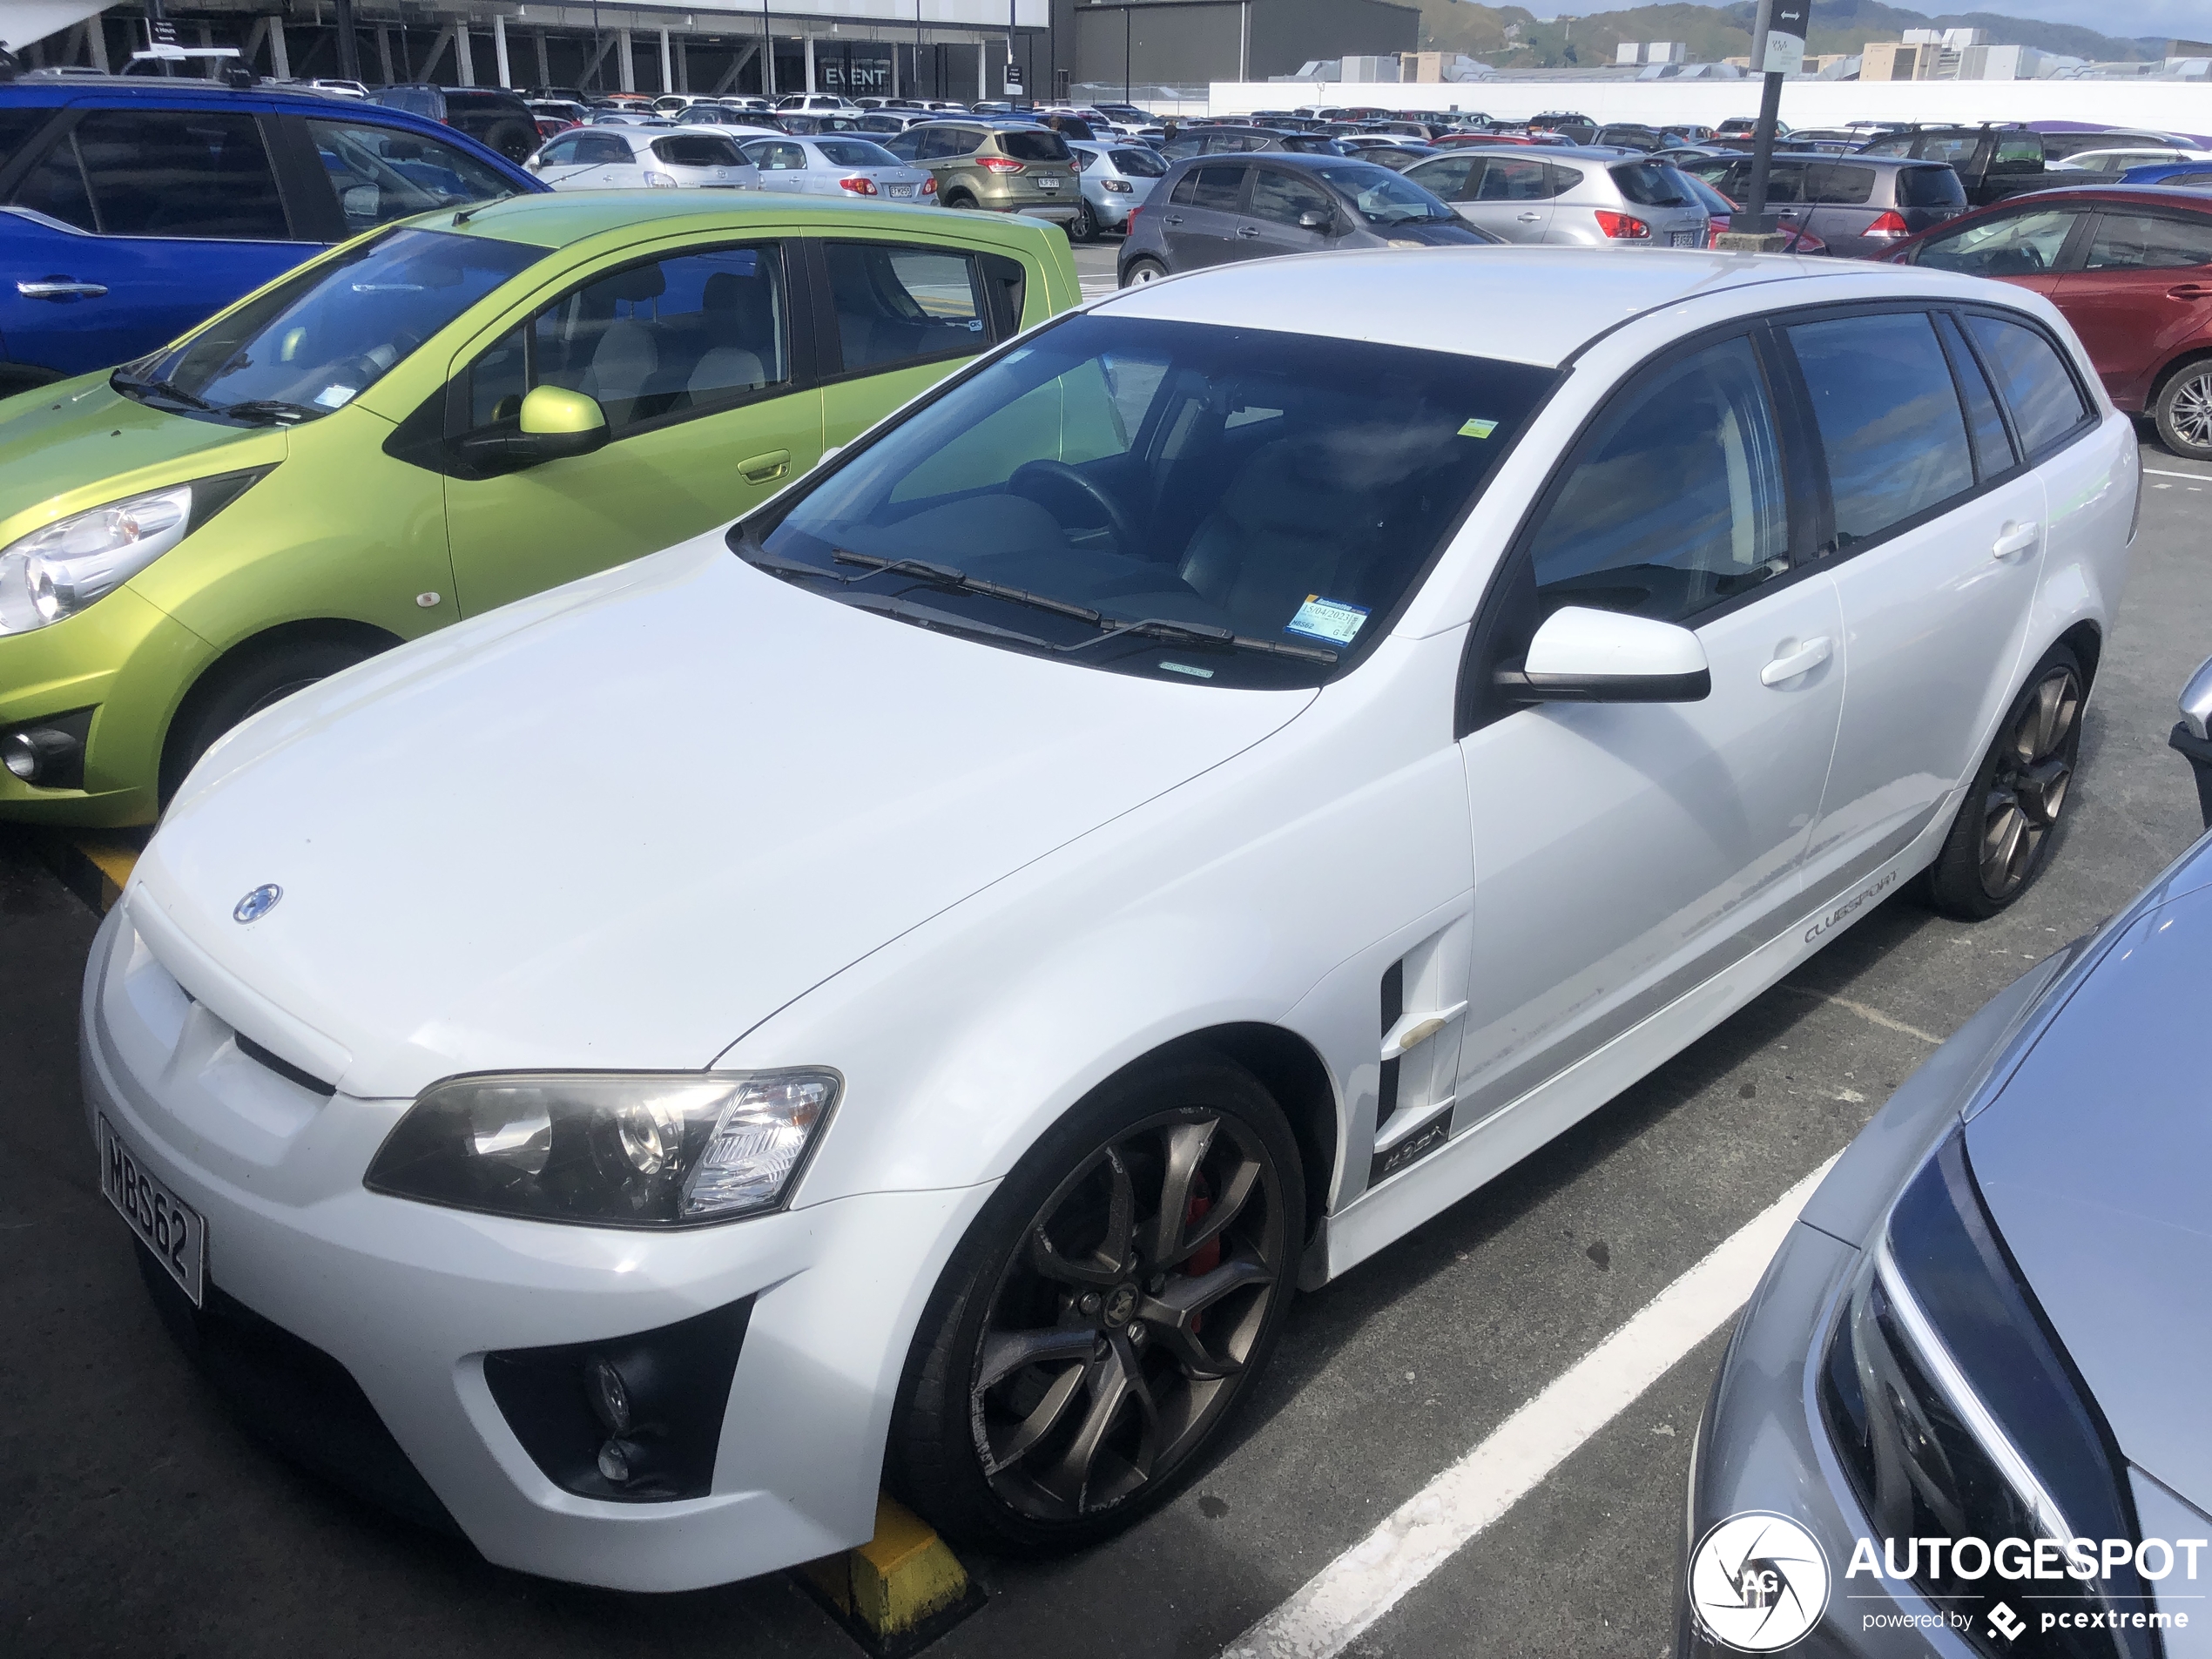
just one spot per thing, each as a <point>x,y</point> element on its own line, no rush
<point>1777,48</point>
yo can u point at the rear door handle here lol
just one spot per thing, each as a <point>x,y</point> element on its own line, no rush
<point>2190,291</point>
<point>1248,229</point>
<point>1803,660</point>
<point>1528,218</point>
<point>1175,219</point>
<point>2018,540</point>
<point>60,288</point>
<point>762,470</point>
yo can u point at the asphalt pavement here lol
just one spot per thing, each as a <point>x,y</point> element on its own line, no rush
<point>141,1519</point>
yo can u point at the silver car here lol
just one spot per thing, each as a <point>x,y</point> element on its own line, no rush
<point>1582,196</point>
<point>1114,179</point>
<point>835,165</point>
<point>619,157</point>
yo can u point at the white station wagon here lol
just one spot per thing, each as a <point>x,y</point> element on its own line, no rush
<point>904,992</point>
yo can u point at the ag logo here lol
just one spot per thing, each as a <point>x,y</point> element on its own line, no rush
<point>1758,1583</point>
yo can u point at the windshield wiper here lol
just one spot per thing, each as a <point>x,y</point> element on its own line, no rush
<point>1203,633</point>
<point>929,618</point>
<point>945,576</point>
<point>128,384</point>
<point>271,408</point>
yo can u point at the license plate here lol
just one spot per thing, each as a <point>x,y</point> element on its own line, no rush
<point>168,1226</point>
<point>1048,184</point>
<point>899,190</point>
<point>1684,239</point>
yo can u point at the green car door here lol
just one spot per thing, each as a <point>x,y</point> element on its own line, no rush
<point>694,357</point>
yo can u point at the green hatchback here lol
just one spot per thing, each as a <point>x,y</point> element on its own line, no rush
<point>439,417</point>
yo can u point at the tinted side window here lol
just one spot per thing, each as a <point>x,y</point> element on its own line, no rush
<point>177,173</point>
<point>1678,501</point>
<point>382,174</point>
<point>1283,197</point>
<point>692,332</point>
<point>1992,449</point>
<point>1653,184</point>
<point>703,150</point>
<point>1510,179</point>
<point>1186,190</point>
<point>903,305</point>
<point>1559,180</point>
<point>1888,419</point>
<point>2010,245</point>
<point>56,186</point>
<point>1445,177</point>
<point>17,128</point>
<point>1930,187</point>
<point>2045,401</point>
<point>1838,184</point>
<point>600,149</point>
<point>1217,188</point>
<point>2147,242</point>
<point>1034,146</point>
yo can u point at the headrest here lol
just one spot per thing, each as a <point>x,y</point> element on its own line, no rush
<point>638,282</point>
<point>1291,487</point>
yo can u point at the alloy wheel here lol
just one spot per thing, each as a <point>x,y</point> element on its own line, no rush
<point>2028,791</point>
<point>2189,409</point>
<point>1119,1332</point>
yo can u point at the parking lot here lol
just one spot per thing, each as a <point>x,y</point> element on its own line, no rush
<point>144,1520</point>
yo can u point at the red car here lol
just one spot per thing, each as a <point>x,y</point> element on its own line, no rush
<point>2131,268</point>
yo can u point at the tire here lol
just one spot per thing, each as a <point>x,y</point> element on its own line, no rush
<point>2183,411</point>
<point>2008,824</point>
<point>1084,227</point>
<point>1074,1455</point>
<point>958,198</point>
<point>244,689</point>
<point>1142,270</point>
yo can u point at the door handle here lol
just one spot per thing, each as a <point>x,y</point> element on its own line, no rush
<point>2016,540</point>
<point>1528,218</point>
<point>60,288</point>
<point>2190,291</point>
<point>1174,219</point>
<point>762,470</point>
<point>1803,660</point>
<point>1248,229</point>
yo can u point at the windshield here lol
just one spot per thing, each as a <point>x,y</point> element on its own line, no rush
<point>856,153</point>
<point>1381,196</point>
<point>1139,164</point>
<point>315,342</point>
<point>1250,506</point>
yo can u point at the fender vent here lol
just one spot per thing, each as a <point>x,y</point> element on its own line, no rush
<point>1393,1010</point>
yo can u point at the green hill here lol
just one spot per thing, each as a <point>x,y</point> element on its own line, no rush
<point>1511,36</point>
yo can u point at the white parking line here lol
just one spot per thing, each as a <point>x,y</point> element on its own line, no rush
<point>2157,472</point>
<point>1348,1595</point>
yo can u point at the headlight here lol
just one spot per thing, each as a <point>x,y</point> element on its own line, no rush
<point>609,1148</point>
<point>53,573</point>
<point>1958,1416</point>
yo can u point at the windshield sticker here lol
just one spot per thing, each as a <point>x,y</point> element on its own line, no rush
<point>1329,619</point>
<point>332,396</point>
<point>1478,428</point>
<point>1185,668</point>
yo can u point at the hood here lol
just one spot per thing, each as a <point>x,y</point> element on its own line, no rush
<point>80,444</point>
<point>619,824</point>
<point>2095,1160</point>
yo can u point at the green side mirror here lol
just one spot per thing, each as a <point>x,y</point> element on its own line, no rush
<point>553,424</point>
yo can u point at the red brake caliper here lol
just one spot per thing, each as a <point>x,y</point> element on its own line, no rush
<point>1207,1256</point>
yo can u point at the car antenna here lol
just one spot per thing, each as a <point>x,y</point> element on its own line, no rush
<point>475,208</point>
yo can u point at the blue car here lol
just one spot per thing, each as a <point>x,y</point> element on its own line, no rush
<point>2185,175</point>
<point>131,210</point>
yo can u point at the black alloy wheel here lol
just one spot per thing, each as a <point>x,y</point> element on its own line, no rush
<point>1089,1337</point>
<point>1085,227</point>
<point>2004,834</point>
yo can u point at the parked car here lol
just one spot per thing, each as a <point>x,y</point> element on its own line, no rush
<point>2180,175</point>
<point>2113,162</point>
<point>1115,179</point>
<point>1980,1328</point>
<point>815,101</point>
<point>721,115</point>
<point>1992,161</point>
<point>135,210</point>
<point>888,123</point>
<point>1219,210</point>
<point>629,158</point>
<point>498,120</point>
<point>809,123</point>
<point>1588,197</point>
<point>1228,140</point>
<point>1574,128</point>
<point>433,420</point>
<point>837,167</point>
<point>1398,157</point>
<point>1078,667</point>
<point>1861,206</point>
<point>2062,145</point>
<point>1009,168</point>
<point>2130,268</point>
<point>1720,215</point>
<point>1631,135</point>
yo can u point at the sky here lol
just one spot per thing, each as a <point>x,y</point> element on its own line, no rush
<point>2128,19</point>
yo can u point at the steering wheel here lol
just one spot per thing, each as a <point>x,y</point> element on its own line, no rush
<point>1050,474</point>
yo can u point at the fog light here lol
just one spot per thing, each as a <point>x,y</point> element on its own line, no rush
<point>41,754</point>
<point>614,1461</point>
<point>609,1400</point>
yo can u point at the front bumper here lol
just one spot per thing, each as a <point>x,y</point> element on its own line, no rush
<point>407,1298</point>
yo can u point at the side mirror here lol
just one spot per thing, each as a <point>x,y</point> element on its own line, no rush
<point>1585,655</point>
<point>1311,220</point>
<point>555,424</point>
<point>2190,735</point>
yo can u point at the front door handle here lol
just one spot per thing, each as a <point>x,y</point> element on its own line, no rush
<point>1803,660</point>
<point>60,288</point>
<point>762,470</point>
<point>2190,291</point>
<point>1174,219</point>
<point>1528,218</point>
<point>1248,229</point>
<point>2017,539</point>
